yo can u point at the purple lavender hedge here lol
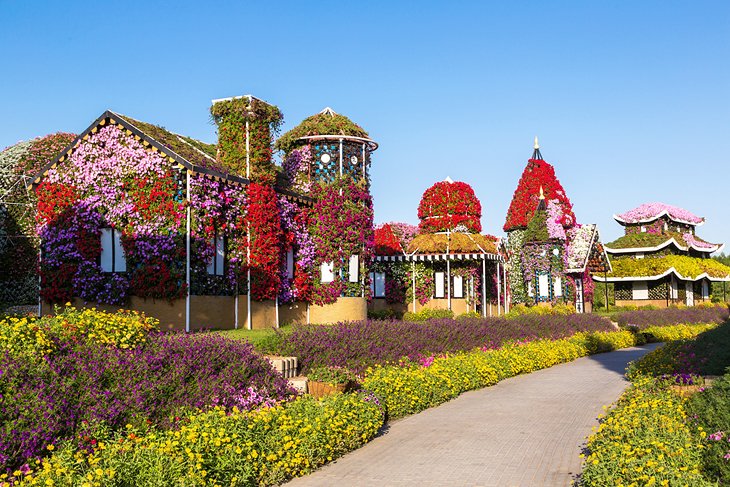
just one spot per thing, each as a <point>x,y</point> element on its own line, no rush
<point>358,345</point>
<point>642,319</point>
<point>88,385</point>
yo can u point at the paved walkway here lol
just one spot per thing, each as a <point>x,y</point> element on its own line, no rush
<point>524,431</point>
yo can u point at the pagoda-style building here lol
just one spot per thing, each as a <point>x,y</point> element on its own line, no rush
<point>660,260</point>
<point>550,256</point>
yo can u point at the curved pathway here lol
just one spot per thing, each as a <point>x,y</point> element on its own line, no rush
<point>523,431</point>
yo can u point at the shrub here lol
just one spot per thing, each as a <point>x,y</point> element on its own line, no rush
<point>90,383</point>
<point>644,318</point>
<point>427,314</point>
<point>412,387</point>
<point>644,440</point>
<point>331,375</point>
<point>711,408</point>
<point>556,309</point>
<point>35,337</point>
<point>263,447</point>
<point>359,345</point>
<point>385,314</point>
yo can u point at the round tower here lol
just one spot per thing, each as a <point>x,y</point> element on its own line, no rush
<point>326,146</point>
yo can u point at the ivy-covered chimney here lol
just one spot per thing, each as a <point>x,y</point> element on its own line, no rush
<point>246,128</point>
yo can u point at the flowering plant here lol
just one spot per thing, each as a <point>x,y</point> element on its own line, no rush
<point>651,211</point>
<point>538,174</point>
<point>265,232</point>
<point>386,243</point>
<point>447,205</point>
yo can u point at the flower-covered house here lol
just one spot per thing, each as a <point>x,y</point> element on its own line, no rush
<point>550,256</point>
<point>198,235</point>
<point>660,260</point>
<point>444,263</point>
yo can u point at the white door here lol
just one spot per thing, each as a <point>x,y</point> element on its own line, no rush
<point>579,295</point>
<point>689,291</point>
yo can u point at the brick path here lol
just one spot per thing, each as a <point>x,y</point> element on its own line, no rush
<point>524,431</point>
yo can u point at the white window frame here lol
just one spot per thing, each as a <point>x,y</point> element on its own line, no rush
<point>457,288</point>
<point>327,271</point>
<point>112,257</point>
<point>543,285</point>
<point>558,287</point>
<point>353,270</point>
<point>639,290</point>
<point>439,291</point>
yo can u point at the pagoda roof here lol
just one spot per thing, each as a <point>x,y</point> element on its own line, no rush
<point>649,212</point>
<point>652,268</point>
<point>651,242</point>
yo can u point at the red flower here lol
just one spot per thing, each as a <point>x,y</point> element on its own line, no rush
<point>447,205</point>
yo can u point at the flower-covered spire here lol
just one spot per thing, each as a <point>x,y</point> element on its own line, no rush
<point>537,174</point>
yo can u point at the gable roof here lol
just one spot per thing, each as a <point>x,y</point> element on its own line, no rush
<point>192,154</point>
<point>586,251</point>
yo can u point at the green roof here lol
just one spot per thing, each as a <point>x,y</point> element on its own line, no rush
<point>326,122</point>
<point>459,243</point>
<point>644,240</point>
<point>653,267</point>
<point>194,151</point>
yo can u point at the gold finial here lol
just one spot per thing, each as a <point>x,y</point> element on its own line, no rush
<point>537,146</point>
<point>542,195</point>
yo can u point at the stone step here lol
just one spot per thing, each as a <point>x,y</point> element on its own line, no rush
<point>286,366</point>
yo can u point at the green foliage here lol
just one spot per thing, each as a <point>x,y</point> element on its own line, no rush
<point>688,267</point>
<point>537,230</point>
<point>385,314</point>
<point>331,375</point>
<point>427,314</point>
<point>645,440</point>
<point>556,309</point>
<point>320,124</point>
<point>243,118</point>
<point>711,408</point>
<point>412,387</point>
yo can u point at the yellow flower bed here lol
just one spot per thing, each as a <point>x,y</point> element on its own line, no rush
<point>645,440</point>
<point>32,337</point>
<point>676,332</point>
<point>413,388</point>
<point>213,448</point>
<point>24,336</point>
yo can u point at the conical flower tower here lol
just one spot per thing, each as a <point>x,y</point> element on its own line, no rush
<point>537,179</point>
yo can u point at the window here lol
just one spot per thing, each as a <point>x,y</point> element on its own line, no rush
<point>327,271</point>
<point>639,255</point>
<point>354,269</point>
<point>640,290</point>
<point>643,229</point>
<point>112,252</point>
<point>290,263</point>
<point>543,285</point>
<point>439,280</point>
<point>558,287</point>
<point>705,290</point>
<point>377,284</point>
<point>215,265</point>
<point>458,290</point>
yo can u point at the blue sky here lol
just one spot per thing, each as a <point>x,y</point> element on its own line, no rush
<point>631,100</point>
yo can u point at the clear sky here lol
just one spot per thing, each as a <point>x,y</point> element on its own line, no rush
<point>631,100</point>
